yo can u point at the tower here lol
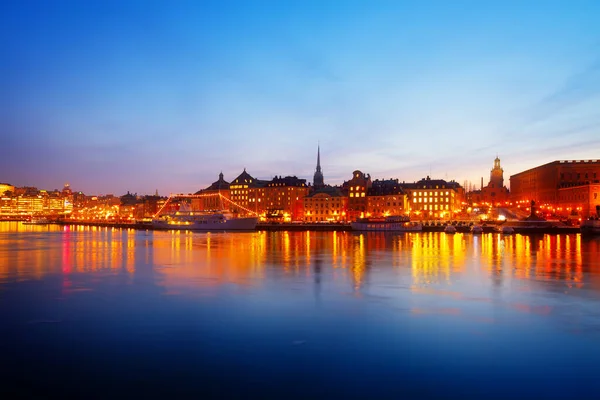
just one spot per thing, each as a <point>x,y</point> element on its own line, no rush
<point>497,175</point>
<point>318,177</point>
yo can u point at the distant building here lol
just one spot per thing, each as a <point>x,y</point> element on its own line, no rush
<point>385,198</point>
<point>284,198</point>
<point>560,187</point>
<point>327,204</point>
<point>495,193</point>
<point>249,194</point>
<point>357,189</point>
<point>434,198</point>
<point>210,199</point>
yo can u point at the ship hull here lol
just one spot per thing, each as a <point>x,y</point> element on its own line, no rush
<point>386,227</point>
<point>590,227</point>
<point>210,225</point>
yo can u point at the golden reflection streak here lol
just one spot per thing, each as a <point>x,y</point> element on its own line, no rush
<point>242,257</point>
<point>434,256</point>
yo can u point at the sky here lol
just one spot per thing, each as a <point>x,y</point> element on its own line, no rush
<point>117,96</point>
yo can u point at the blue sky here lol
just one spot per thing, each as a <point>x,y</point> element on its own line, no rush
<point>144,95</point>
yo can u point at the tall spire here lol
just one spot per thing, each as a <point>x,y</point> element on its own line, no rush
<point>318,177</point>
<point>318,158</point>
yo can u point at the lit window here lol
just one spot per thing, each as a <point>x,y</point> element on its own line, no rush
<point>351,194</point>
<point>362,194</point>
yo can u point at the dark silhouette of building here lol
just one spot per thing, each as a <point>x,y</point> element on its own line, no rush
<point>318,180</point>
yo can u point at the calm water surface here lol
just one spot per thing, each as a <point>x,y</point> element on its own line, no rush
<point>100,313</point>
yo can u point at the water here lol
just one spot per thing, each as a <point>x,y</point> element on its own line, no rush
<point>101,312</point>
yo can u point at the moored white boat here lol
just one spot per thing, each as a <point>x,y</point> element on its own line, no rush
<point>198,221</point>
<point>387,224</point>
<point>201,220</point>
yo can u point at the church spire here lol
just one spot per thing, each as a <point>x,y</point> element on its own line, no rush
<point>318,177</point>
<point>318,158</point>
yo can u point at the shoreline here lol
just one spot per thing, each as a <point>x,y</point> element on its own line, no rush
<point>295,227</point>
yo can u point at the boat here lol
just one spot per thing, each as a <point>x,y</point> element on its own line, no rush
<point>37,221</point>
<point>450,229</point>
<point>476,229</point>
<point>201,220</point>
<point>505,230</point>
<point>398,223</point>
<point>590,226</point>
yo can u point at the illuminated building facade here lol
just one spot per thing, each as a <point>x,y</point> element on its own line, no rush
<point>563,187</point>
<point>385,198</point>
<point>357,189</point>
<point>5,187</point>
<point>434,198</point>
<point>495,193</point>
<point>212,200</point>
<point>285,198</point>
<point>327,204</point>
<point>248,193</point>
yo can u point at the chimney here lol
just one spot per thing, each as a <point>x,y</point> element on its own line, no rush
<point>481,183</point>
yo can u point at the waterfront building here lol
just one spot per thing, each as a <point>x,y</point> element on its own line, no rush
<point>30,204</point>
<point>8,205</point>
<point>79,200</point>
<point>284,198</point>
<point>434,198</point>
<point>210,199</point>
<point>249,194</point>
<point>328,204</point>
<point>385,198</point>
<point>357,189</point>
<point>560,187</point>
<point>495,193</point>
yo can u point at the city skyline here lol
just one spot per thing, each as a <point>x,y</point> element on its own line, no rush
<point>121,96</point>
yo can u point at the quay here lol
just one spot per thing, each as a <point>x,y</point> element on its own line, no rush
<point>341,227</point>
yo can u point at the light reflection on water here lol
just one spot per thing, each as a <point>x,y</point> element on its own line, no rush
<point>444,301</point>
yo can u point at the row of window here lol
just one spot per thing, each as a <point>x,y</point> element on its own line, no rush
<point>431,200</point>
<point>361,194</point>
<point>435,207</point>
<point>571,175</point>
<point>432,193</point>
